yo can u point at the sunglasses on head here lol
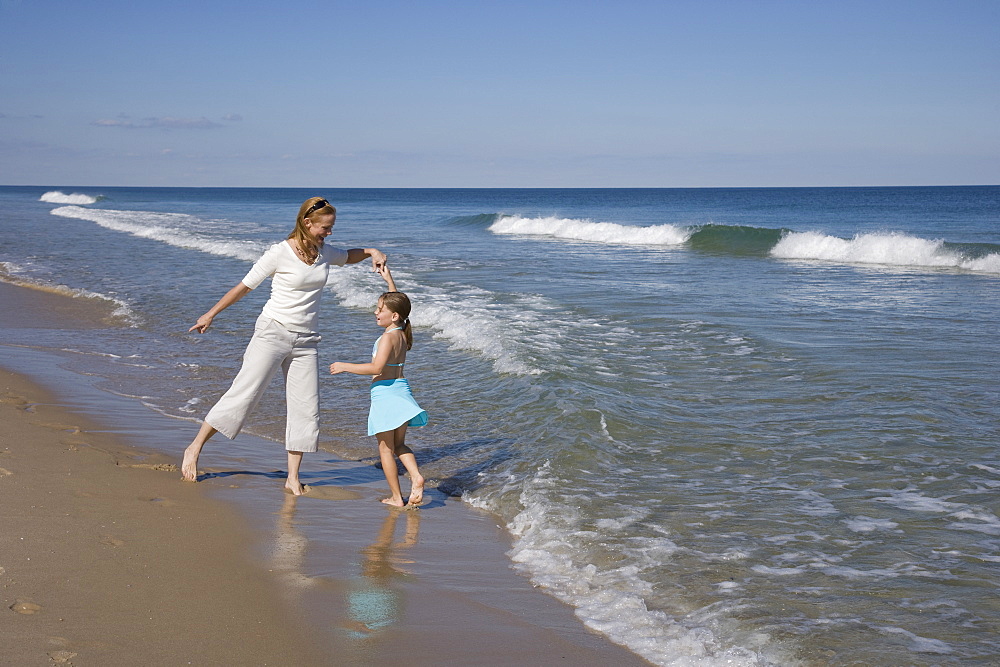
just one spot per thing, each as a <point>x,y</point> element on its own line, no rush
<point>317,206</point>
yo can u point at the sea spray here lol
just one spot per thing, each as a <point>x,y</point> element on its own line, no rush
<point>56,197</point>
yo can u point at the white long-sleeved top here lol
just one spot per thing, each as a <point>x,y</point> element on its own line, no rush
<point>296,288</point>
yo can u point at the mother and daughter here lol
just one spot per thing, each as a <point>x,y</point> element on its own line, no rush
<point>285,337</point>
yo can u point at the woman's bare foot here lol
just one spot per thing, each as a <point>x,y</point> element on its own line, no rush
<point>189,466</point>
<point>295,488</point>
<point>395,502</point>
<point>416,491</point>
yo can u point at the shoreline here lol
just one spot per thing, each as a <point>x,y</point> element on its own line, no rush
<point>333,577</point>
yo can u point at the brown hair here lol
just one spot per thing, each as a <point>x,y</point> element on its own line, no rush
<point>399,303</point>
<point>301,235</point>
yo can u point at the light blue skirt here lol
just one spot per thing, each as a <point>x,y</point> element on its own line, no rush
<point>392,406</point>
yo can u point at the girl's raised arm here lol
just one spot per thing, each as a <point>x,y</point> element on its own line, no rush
<point>387,277</point>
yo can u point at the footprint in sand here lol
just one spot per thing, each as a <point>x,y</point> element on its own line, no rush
<point>4,472</point>
<point>162,502</point>
<point>112,541</point>
<point>165,467</point>
<point>61,657</point>
<point>60,427</point>
<point>329,493</point>
<point>25,607</point>
<point>18,402</point>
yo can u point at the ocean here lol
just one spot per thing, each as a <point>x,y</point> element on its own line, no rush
<point>728,426</point>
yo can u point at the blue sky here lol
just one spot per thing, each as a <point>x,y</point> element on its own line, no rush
<point>706,93</point>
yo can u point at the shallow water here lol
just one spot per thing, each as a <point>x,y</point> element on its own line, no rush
<point>729,426</point>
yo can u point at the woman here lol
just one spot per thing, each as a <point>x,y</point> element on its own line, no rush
<point>284,336</point>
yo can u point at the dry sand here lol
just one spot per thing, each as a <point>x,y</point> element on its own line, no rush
<point>107,558</point>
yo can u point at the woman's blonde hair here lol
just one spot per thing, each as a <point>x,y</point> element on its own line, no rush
<point>310,207</point>
<point>399,303</point>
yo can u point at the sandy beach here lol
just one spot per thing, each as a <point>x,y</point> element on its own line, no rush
<point>108,558</point>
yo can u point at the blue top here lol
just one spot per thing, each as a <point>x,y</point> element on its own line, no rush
<point>375,346</point>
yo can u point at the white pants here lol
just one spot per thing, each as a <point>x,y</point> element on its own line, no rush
<point>271,347</point>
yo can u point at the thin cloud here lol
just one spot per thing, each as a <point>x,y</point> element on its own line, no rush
<point>165,122</point>
<point>32,116</point>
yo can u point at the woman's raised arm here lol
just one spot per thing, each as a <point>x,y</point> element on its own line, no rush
<point>355,255</point>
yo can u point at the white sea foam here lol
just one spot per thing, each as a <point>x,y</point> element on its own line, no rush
<point>978,520</point>
<point>780,571</point>
<point>456,313</point>
<point>17,275</point>
<point>587,230</point>
<point>920,644</point>
<point>174,229</point>
<point>962,516</point>
<point>815,503</point>
<point>884,249</point>
<point>610,599</point>
<point>618,524</point>
<point>916,502</point>
<point>56,197</point>
<point>864,524</point>
<point>985,468</point>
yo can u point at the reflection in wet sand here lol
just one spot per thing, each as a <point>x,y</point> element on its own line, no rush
<point>290,550</point>
<point>374,601</point>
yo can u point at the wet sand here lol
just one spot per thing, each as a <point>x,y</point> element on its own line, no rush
<point>107,558</point>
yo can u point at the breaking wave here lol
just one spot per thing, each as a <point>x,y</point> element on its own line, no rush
<point>56,197</point>
<point>885,248</point>
<point>889,250</point>
<point>586,230</point>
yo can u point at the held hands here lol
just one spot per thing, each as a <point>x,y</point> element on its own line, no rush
<point>387,277</point>
<point>378,260</point>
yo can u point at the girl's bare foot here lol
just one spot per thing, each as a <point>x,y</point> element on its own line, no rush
<point>416,491</point>
<point>295,488</point>
<point>394,502</point>
<point>189,466</point>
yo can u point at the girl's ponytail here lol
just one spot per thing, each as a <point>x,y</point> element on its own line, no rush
<point>408,333</point>
<point>399,303</point>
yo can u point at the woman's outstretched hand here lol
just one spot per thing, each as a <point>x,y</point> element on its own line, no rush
<point>230,297</point>
<point>336,367</point>
<point>203,323</point>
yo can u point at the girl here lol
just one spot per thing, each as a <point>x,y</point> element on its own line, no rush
<point>285,337</point>
<point>393,407</point>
